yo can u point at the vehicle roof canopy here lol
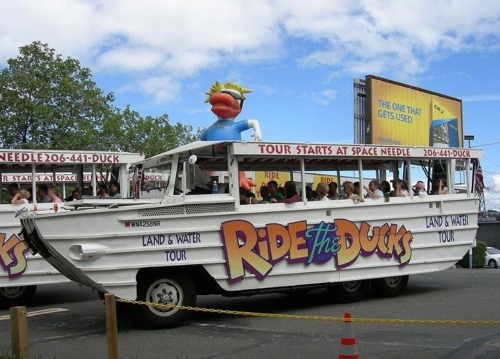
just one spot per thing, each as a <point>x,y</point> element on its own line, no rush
<point>286,156</point>
<point>13,160</point>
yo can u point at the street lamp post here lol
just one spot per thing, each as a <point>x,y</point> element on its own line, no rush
<point>469,138</point>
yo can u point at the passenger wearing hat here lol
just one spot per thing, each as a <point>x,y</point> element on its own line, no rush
<point>399,188</point>
<point>419,188</point>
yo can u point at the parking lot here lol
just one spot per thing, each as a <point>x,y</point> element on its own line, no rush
<point>79,331</point>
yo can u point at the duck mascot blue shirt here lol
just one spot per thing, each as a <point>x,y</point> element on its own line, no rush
<point>227,102</point>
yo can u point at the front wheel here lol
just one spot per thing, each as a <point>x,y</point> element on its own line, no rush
<point>389,286</point>
<point>492,264</point>
<point>165,288</point>
<point>351,291</point>
<point>16,296</point>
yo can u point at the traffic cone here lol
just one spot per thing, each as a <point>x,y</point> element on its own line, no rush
<point>348,347</point>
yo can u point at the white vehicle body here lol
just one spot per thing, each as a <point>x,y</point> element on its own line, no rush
<point>21,271</point>
<point>182,245</point>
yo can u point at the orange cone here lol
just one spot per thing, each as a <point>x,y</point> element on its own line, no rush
<point>348,347</point>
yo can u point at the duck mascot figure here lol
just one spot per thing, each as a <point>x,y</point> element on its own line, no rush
<point>227,102</point>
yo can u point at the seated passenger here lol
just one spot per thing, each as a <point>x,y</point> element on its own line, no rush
<point>272,187</point>
<point>419,189</point>
<point>114,190</point>
<point>246,197</point>
<point>349,192</point>
<point>75,195</point>
<point>202,180</point>
<point>291,195</point>
<point>309,193</point>
<point>399,190</point>
<point>321,192</point>
<point>13,189</point>
<point>42,194</point>
<point>21,197</point>
<point>385,187</point>
<point>441,186</point>
<point>103,191</point>
<point>332,191</point>
<point>356,188</point>
<point>53,194</point>
<point>263,192</point>
<point>372,190</point>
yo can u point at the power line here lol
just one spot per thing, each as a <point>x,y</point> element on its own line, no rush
<point>487,159</point>
<point>488,144</point>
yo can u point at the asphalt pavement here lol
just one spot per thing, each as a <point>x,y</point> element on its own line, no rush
<point>76,326</point>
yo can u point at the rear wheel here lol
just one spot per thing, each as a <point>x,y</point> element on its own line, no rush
<point>492,264</point>
<point>16,296</point>
<point>389,286</point>
<point>165,288</point>
<point>351,291</point>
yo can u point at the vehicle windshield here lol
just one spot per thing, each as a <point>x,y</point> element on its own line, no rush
<point>492,250</point>
<point>157,177</point>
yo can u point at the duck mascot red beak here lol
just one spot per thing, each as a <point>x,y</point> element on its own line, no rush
<point>227,101</point>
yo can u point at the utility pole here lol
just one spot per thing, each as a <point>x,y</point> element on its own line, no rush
<point>481,199</point>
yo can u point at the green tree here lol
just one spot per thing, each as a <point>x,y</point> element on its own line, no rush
<point>48,102</point>
<point>128,131</point>
<point>51,103</point>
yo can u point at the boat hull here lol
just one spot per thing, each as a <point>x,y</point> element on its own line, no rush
<point>261,247</point>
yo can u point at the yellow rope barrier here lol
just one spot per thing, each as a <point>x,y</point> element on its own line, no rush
<point>310,317</point>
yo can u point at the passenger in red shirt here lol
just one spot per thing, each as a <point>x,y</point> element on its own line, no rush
<point>291,195</point>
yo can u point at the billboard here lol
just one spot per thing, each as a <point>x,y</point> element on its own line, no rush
<point>399,114</point>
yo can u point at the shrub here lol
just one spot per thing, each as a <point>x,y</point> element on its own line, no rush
<point>478,256</point>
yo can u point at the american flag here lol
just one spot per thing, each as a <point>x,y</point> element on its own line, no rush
<point>479,182</point>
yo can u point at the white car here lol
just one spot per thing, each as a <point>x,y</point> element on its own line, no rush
<point>492,257</point>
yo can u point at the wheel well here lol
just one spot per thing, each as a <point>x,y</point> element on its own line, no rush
<point>204,282</point>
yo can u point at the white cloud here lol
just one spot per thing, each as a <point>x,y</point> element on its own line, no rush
<point>480,98</point>
<point>161,88</point>
<point>178,39</point>
<point>495,177</point>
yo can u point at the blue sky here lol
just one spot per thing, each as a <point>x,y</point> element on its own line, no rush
<point>299,58</point>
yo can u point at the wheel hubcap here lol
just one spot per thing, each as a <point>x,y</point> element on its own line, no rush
<point>351,286</point>
<point>12,292</point>
<point>392,281</point>
<point>165,292</point>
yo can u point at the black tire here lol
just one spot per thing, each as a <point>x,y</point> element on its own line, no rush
<point>165,288</point>
<point>16,296</point>
<point>297,295</point>
<point>492,264</point>
<point>389,286</point>
<point>351,291</point>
